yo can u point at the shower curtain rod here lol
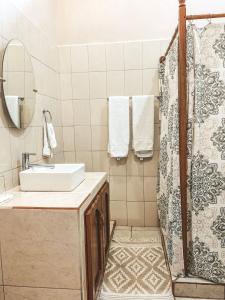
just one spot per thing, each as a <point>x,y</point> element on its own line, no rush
<point>189,18</point>
<point>209,16</point>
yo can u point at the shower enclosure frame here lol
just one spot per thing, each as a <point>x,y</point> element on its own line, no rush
<point>181,31</point>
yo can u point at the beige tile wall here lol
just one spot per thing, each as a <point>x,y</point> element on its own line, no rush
<point>45,63</point>
<point>89,74</point>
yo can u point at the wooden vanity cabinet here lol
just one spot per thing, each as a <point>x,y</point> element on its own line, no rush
<point>97,229</point>
<point>106,218</point>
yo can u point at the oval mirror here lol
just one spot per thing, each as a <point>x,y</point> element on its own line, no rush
<point>18,84</point>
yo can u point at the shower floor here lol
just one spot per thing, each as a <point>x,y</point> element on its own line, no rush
<point>136,267</point>
<point>198,288</point>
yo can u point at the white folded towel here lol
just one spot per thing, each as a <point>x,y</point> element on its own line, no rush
<point>143,125</point>
<point>51,136</point>
<point>119,128</point>
<point>46,148</point>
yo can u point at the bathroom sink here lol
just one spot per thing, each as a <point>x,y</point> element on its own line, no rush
<point>60,178</point>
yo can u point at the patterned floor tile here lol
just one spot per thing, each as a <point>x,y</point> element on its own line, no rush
<point>123,227</point>
<point>122,235</point>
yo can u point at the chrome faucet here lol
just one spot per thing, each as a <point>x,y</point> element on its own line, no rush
<point>26,160</point>
<point>27,165</point>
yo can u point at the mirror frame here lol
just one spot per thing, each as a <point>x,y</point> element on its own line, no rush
<point>2,80</point>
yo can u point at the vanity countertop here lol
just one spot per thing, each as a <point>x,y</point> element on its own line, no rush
<point>57,200</point>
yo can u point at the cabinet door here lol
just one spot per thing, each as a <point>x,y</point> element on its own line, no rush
<point>106,217</point>
<point>94,247</point>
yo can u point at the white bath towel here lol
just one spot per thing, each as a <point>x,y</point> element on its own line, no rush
<point>143,125</point>
<point>119,131</point>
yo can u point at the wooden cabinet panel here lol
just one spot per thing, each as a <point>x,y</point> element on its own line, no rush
<point>97,227</point>
<point>94,250</point>
<point>106,217</point>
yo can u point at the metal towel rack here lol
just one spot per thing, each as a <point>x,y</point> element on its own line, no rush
<point>130,97</point>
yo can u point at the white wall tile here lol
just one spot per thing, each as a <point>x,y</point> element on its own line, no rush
<point>79,58</point>
<point>133,82</point>
<point>99,136</point>
<point>67,113</point>
<point>150,82</point>
<point>83,138</point>
<point>82,115</point>
<point>135,188</point>
<point>66,86</point>
<point>68,138</point>
<point>97,57</point>
<point>151,54</point>
<point>118,190</point>
<point>80,83</point>
<point>98,85</point>
<point>5,152</point>
<point>70,157</point>
<point>86,158</point>
<point>136,213</point>
<point>115,83</point>
<point>133,55</point>
<point>118,210</point>
<point>100,161</point>
<point>150,184</point>
<point>115,56</point>
<point>64,59</point>
<point>151,214</point>
<point>99,112</point>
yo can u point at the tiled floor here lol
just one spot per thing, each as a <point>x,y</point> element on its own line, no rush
<point>137,234</point>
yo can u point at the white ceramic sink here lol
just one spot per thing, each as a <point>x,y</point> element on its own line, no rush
<point>61,178</point>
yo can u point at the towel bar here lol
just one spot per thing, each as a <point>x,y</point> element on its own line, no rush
<point>47,112</point>
<point>130,97</point>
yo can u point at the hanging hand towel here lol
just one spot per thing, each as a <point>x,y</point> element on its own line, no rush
<point>143,125</point>
<point>119,131</point>
<point>46,148</point>
<point>51,136</point>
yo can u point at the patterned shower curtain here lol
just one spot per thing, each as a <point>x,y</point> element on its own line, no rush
<point>169,202</point>
<point>206,154</point>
